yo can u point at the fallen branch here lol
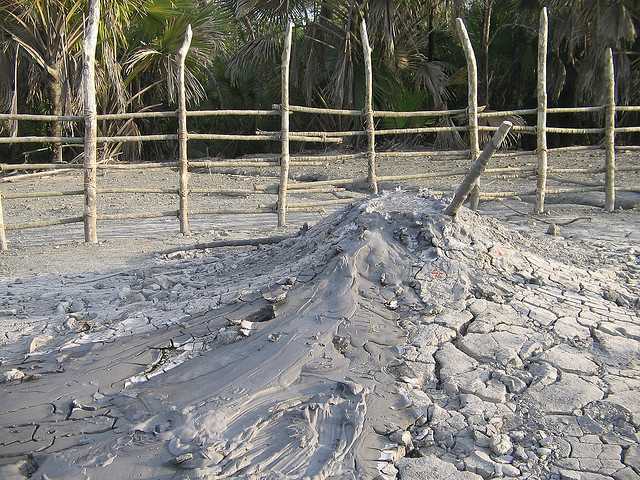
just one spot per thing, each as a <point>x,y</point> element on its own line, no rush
<point>242,242</point>
<point>27,176</point>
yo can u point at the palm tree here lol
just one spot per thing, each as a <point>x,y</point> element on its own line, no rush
<point>137,43</point>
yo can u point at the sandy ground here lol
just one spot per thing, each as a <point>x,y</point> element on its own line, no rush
<point>61,249</point>
<point>386,342</point>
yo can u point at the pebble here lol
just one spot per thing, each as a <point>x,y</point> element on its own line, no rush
<point>39,341</point>
<point>520,453</point>
<point>13,375</point>
<point>401,437</point>
<point>500,444</point>
<point>185,457</point>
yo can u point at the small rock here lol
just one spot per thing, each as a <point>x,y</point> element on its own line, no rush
<point>13,375</point>
<point>401,437</point>
<point>39,341</point>
<point>481,439</point>
<point>392,304</point>
<point>185,457</point>
<point>553,230</point>
<point>500,444</point>
<point>519,453</point>
<point>543,452</point>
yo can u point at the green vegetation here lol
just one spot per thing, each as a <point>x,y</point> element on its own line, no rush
<point>235,55</point>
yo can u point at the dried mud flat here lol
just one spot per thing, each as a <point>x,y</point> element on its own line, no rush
<point>388,341</point>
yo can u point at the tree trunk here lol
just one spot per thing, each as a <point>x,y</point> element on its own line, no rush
<point>484,53</point>
<point>55,96</point>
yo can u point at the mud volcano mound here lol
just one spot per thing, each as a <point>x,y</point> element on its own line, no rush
<point>388,341</point>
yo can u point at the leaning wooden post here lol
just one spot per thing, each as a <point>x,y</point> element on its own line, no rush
<point>472,83</point>
<point>477,168</point>
<point>610,135</point>
<point>541,130</point>
<point>368,109</point>
<point>90,123</point>
<point>3,235</point>
<point>183,135</point>
<point>284,129</point>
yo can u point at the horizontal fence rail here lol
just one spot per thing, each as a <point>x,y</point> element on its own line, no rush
<point>465,120</point>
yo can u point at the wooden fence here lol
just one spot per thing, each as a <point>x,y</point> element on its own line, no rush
<point>285,187</point>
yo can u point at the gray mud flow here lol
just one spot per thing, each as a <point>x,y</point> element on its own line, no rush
<point>388,341</point>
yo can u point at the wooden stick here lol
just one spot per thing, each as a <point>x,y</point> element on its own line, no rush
<point>241,113</point>
<point>264,137</point>
<point>138,115</point>
<point>524,111</point>
<point>392,131</point>
<point>328,111</point>
<point>610,135</point>
<point>628,108</point>
<point>472,87</point>
<point>327,158</point>
<point>378,113</point>
<point>477,168</point>
<point>171,191</point>
<point>255,164</point>
<point>3,235</point>
<point>516,128</point>
<point>424,113</point>
<point>76,166</point>
<point>135,115</point>
<point>62,140</point>
<point>426,153</point>
<point>576,170</point>
<point>44,223</point>
<point>541,139</point>
<point>628,148</point>
<point>515,153</point>
<point>260,209</point>
<point>41,118</point>
<point>249,242</point>
<point>137,138</point>
<point>627,130</point>
<point>183,135</point>
<point>575,148</point>
<point>368,109</point>
<point>137,166</point>
<point>29,176</point>
<point>575,109</point>
<point>574,131</point>
<point>284,127</point>
<point>135,216</point>
<point>90,123</point>
<point>11,196</point>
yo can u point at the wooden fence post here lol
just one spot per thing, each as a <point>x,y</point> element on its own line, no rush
<point>90,123</point>
<point>610,135</point>
<point>477,168</point>
<point>183,135</point>
<point>368,109</point>
<point>284,129</point>
<point>541,130</point>
<point>3,235</point>
<point>472,83</point>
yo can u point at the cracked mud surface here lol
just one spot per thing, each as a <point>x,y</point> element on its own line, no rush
<point>388,341</point>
